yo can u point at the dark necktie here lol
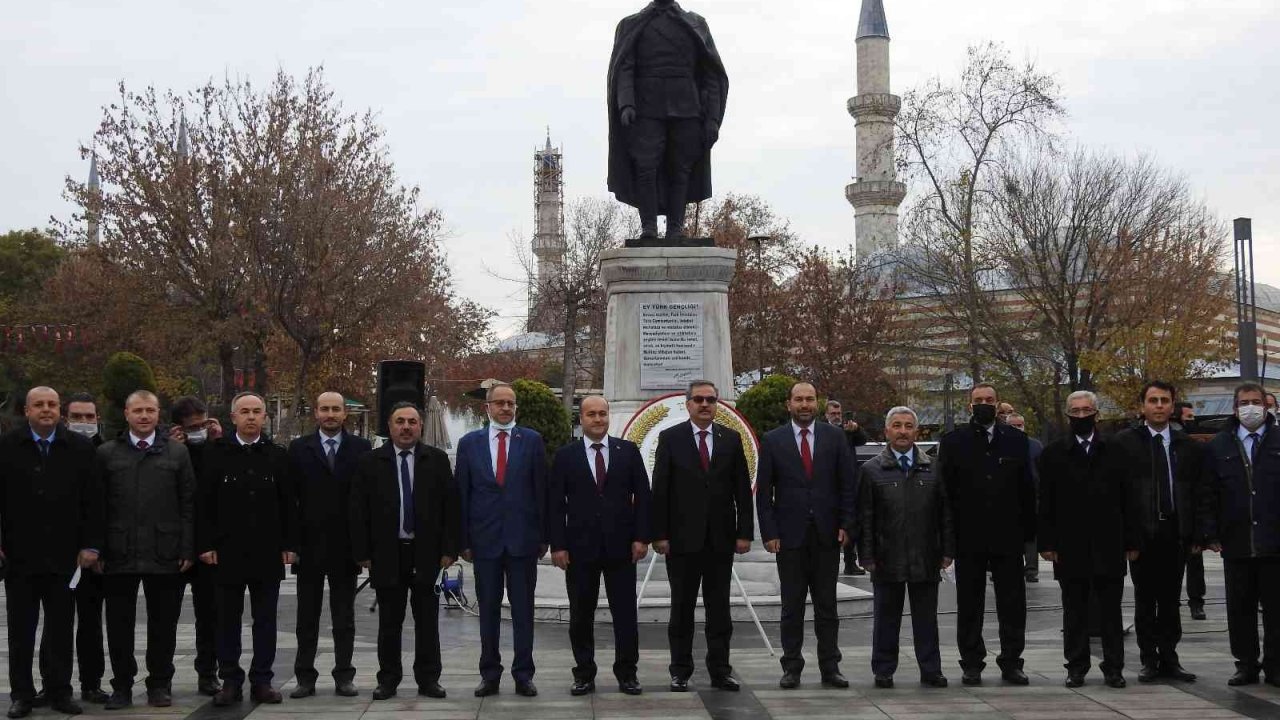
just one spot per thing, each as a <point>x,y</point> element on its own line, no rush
<point>806,455</point>
<point>1253,448</point>
<point>331,455</point>
<point>501,474</point>
<point>406,493</point>
<point>1160,473</point>
<point>905,464</point>
<point>142,445</point>
<point>600,469</point>
<point>702,450</point>
<point>1084,445</point>
<point>44,447</point>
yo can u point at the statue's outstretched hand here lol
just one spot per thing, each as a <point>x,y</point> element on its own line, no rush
<point>628,116</point>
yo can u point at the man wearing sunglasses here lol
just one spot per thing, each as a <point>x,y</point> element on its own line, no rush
<point>701,517</point>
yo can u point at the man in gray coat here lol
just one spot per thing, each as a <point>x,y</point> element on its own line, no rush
<point>905,537</point>
<point>148,486</point>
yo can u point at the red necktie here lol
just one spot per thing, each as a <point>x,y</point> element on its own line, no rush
<point>142,445</point>
<point>702,450</point>
<point>502,458</point>
<point>600,470</point>
<point>806,455</point>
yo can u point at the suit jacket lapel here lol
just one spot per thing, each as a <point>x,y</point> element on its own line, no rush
<point>719,452</point>
<point>487,454</point>
<point>313,442</point>
<point>513,442</point>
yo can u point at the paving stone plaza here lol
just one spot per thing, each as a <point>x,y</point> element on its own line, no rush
<point>1204,651</point>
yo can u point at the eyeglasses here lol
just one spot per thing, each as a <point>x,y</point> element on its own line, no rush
<point>1082,412</point>
<point>704,399</point>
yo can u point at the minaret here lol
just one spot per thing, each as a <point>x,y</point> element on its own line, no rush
<point>184,140</point>
<point>93,202</point>
<point>548,238</point>
<point>875,192</point>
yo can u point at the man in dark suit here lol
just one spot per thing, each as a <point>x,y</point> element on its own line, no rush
<point>1184,419</point>
<point>599,526</point>
<point>404,530</point>
<point>324,461</point>
<point>1162,466</point>
<point>805,494</point>
<point>987,470</point>
<point>246,520</point>
<point>1087,531</point>
<point>502,479</point>
<point>701,517</point>
<point>856,437</point>
<point>51,515</point>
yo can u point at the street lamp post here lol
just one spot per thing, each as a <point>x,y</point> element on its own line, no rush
<point>759,241</point>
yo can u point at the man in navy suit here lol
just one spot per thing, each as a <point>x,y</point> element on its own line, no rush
<point>805,490</point>
<point>701,517</point>
<point>502,479</point>
<point>599,510</point>
<point>324,461</point>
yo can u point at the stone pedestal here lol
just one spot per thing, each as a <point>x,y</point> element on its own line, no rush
<point>673,275</point>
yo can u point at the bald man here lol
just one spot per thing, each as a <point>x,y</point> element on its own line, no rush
<point>324,462</point>
<point>51,517</point>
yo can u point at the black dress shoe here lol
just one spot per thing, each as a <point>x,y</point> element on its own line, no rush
<point>303,691</point>
<point>159,697</point>
<point>833,680</point>
<point>884,681</point>
<point>1015,676</point>
<point>65,706</point>
<point>383,692</point>
<point>39,700</point>
<point>209,685</point>
<point>935,681</point>
<point>1115,681</point>
<point>1148,674</point>
<point>265,695</point>
<point>345,689</point>
<point>728,682</point>
<point>228,695</point>
<point>582,687</point>
<point>1243,677</point>
<point>119,700</point>
<point>1273,680</point>
<point>1033,579</point>
<point>1074,680</point>
<point>1197,613</point>
<point>1177,672</point>
<point>630,686</point>
<point>19,708</point>
<point>432,690</point>
<point>526,689</point>
<point>971,677</point>
<point>789,681</point>
<point>93,695</point>
<point>487,688</point>
<point>679,684</point>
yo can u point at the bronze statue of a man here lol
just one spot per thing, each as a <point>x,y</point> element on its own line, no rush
<point>667,91</point>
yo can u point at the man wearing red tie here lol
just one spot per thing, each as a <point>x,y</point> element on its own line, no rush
<point>701,517</point>
<point>502,471</point>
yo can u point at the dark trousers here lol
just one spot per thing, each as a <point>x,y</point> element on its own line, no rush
<point>850,554</point>
<point>971,606</point>
<point>1075,622</point>
<point>887,606</point>
<point>810,570</point>
<point>264,596</point>
<point>88,597</point>
<point>1157,592</point>
<point>1252,582</point>
<point>1195,580</point>
<point>520,576</point>
<point>418,593</point>
<point>204,605</point>
<point>164,605</point>
<point>25,596</point>
<point>1031,561</point>
<point>342,616</point>
<point>582,580</point>
<point>666,148</point>
<point>686,571</point>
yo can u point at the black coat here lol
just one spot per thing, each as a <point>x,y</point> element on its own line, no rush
<point>992,494</point>
<point>786,498</point>
<point>149,498</point>
<point>905,527</point>
<point>375,513</point>
<point>50,509</point>
<point>1239,504</point>
<point>690,505</point>
<point>1086,515</point>
<point>593,525</point>
<point>324,502</point>
<point>246,509</point>
<point>1186,455</point>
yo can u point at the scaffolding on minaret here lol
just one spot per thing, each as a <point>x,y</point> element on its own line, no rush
<point>548,238</point>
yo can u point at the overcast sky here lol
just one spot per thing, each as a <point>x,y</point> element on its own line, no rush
<point>466,89</point>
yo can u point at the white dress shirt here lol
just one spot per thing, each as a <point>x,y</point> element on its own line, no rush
<point>591,453</point>
<point>411,459</point>
<point>324,441</point>
<point>242,441</point>
<point>1243,433</point>
<point>711,437</point>
<point>897,456</point>
<point>493,447</point>
<point>1167,437</point>
<point>149,440</point>
<point>795,430</point>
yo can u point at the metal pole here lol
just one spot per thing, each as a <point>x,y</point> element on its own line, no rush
<point>1246,295</point>
<point>653,558</point>
<point>754,617</point>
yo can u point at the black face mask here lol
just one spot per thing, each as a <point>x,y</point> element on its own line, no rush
<point>1083,426</point>
<point>984,414</point>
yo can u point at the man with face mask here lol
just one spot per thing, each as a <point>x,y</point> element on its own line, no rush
<point>986,466</point>
<point>1032,558</point>
<point>1087,531</point>
<point>1240,518</point>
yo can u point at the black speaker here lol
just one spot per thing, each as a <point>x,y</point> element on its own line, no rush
<point>398,381</point>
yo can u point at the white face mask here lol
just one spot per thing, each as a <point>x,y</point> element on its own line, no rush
<point>508,427</point>
<point>1251,416</point>
<point>197,437</point>
<point>85,429</point>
